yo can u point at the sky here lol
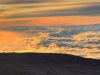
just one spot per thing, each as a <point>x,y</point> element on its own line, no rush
<point>28,26</point>
<point>49,12</point>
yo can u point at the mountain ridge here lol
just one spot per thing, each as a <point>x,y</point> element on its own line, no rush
<point>47,64</point>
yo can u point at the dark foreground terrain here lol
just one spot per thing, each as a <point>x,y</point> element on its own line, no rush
<point>47,64</point>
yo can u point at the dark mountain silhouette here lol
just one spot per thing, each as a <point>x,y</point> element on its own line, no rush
<point>47,64</point>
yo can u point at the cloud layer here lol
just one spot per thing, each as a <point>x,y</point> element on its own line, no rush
<point>44,8</point>
<point>76,40</point>
<point>14,11</point>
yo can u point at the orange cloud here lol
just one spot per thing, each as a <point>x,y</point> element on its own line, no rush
<point>45,21</point>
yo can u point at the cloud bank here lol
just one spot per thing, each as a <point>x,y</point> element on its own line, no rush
<point>76,40</point>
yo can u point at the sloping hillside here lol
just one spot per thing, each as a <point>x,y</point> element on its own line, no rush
<point>47,64</point>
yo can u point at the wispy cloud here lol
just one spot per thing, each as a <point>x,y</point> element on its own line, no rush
<point>43,1</point>
<point>50,21</point>
<point>49,9</point>
<point>24,1</point>
<point>10,9</point>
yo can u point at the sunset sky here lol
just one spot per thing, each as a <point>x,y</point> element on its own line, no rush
<point>49,12</point>
<point>51,26</point>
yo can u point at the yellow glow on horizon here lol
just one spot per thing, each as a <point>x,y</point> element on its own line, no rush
<point>7,37</point>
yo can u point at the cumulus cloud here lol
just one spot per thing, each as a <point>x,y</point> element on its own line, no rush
<point>85,43</point>
<point>87,36</point>
<point>78,47</point>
